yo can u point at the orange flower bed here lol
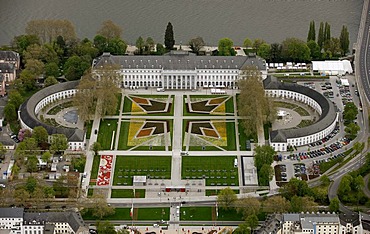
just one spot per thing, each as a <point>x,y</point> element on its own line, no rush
<point>142,101</point>
<point>210,133</point>
<point>145,132</point>
<point>216,101</point>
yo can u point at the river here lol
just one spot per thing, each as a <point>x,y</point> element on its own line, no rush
<point>271,20</point>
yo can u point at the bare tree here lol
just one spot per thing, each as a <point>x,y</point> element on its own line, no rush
<point>49,29</point>
<point>196,44</point>
<point>110,30</point>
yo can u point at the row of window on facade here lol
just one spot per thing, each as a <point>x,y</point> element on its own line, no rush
<point>160,70</point>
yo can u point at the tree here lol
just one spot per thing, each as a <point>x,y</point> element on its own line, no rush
<point>332,48</point>
<point>110,30</point>
<point>32,162</point>
<point>21,195</point>
<point>27,147</point>
<point>320,194</point>
<point>295,50</point>
<point>295,187</point>
<point>344,40</point>
<point>263,155</point>
<point>243,228</point>
<point>248,206</point>
<point>51,69</point>
<point>28,80</point>
<point>96,147</point>
<point>352,130</point>
<point>98,95</point>
<point>169,40</point>
<point>327,36</point>
<point>303,204</point>
<point>314,49</point>
<point>225,47</point>
<point>140,45</point>
<point>264,51</point>
<point>75,67</point>
<point>350,112</point>
<point>252,221</point>
<point>160,49</point>
<point>312,32</point>
<point>15,171</point>
<point>325,180</point>
<point>40,134</point>
<point>276,204</point>
<point>15,98</point>
<point>10,112</point>
<point>116,46</point>
<point>105,227</point>
<point>48,29</point>
<point>2,151</point>
<point>20,43</point>
<point>265,175</point>
<point>196,44</point>
<point>101,43</point>
<point>321,36</point>
<point>257,43</point>
<point>275,52</point>
<point>35,66</point>
<point>50,80</point>
<point>46,156</point>
<point>226,198</point>
<point>149,45</point>
<point>59,143</point>
<point>100,208</point>
<point>247,43</point>
<point>253,104</point>
<point>344,189</point>
<point>334,205</point>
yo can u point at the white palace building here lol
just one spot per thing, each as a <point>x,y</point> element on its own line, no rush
<point>181,70</point>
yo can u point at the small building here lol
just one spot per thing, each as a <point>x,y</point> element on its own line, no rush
<point>332,68</point>
<point>139,180</point>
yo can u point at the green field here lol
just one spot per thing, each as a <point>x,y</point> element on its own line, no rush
<point>208,214</point>
<point>119,103</point>
<point>120,214</point>
<point>197,213</point>
<point>243,137</point>
<point>128,193</point>
<point>88,127</point>
<point>158,167</point>
<point>217,170</point>
<point>153,213</point>
<point>106,129</point>
<point>95,168</point>
<point>213,192</point>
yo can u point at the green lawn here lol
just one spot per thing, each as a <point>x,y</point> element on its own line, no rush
<point>120,214</point>
<point>90,192</point>
<point>217,170</point>
<point>243,137</point>
<point>196,213</point>
<point>88,127</point>
<point>229,215</point>
<point>158,167</point>
<point>128,193</point>
<point>153,213</point>
<point>106,129</point>
<point>213,192</point>
<point>127,103</point>
<point>119,103</point>
<point>230,131</point>
<point>95,167</point>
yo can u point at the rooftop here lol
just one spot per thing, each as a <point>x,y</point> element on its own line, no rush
<point>11,212</point>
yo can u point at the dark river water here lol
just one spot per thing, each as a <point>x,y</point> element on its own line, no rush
<point>271,20</point>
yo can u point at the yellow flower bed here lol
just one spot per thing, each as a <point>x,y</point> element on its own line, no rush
<point>135,126</point>
<point>136,109</point>
<point>221,109</point>
<point>220,126</point>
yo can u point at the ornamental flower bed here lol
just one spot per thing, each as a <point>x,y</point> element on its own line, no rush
<point>105,169</point>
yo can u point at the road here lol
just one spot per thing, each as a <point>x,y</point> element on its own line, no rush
<point>363,49</point>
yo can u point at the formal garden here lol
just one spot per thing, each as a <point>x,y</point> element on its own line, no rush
<point>161,105</point>
<point>209,135</point>
<point>208,105</point>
